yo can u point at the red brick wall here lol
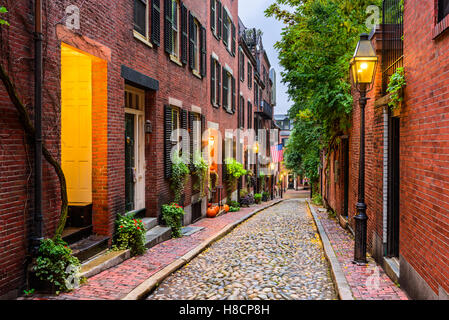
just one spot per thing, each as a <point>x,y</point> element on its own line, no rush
<point>109,36</point>
<point>424,203</point>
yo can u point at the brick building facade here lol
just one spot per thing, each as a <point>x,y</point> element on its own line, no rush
<point>140,70</point>
<point>406,184</point>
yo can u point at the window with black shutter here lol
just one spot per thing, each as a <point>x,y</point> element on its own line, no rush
<point>168,145</point>
<point>250,75</point>
<point>213,13</point>
<point>225,89</point>
<point>250,115</point>
<point>242,65</point>
<point>233,39</point>
<point>203,52</point>
<point>141,17</point>
<point>233,89</point>
<point>213,79</point>
<point>225,28</point>
<point>168,26</point>
<point>156,22</point>
<point>219,79</point>
<point>443,9</point>
<point>219,19</point>
<point>241,112</point>
<point>191,42</point>
<point>184,35</point>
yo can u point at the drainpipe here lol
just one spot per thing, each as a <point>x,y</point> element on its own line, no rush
<point>38,226</point>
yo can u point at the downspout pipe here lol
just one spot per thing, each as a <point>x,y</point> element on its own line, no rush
<point>38,220</point>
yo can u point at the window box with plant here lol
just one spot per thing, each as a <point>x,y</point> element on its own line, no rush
<point>396,89</point>
<point>179,176</point>
<point>172,215</point>
<point>130,234</point>
<point>200,171</point>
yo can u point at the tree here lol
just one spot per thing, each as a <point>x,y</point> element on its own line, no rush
<point>3,10</point>
<point>317,43</point>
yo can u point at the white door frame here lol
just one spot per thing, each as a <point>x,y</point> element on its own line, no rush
<point>139,134</point>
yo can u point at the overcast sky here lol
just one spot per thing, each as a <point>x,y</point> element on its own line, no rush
<point>251,13</point>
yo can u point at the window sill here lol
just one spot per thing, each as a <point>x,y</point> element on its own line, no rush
<point>440,28</point>
<point>215,105</point>
<point>141,38</point>
<point>228,110</point>
<point>175,60</point>
<point>197,74</point>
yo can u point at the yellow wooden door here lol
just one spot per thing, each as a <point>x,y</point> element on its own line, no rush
<point>76,125</point>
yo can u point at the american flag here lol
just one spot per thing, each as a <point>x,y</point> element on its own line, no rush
<point>277,153</point>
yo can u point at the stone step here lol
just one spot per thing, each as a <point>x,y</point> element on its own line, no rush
<point>157,235</point>
<point>103,261</point>
<point>89,247</point>
<point>149,223</point>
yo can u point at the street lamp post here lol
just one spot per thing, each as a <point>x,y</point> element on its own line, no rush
<point>363,67</point>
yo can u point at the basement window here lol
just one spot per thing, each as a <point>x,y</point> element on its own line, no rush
<point>443,9</point>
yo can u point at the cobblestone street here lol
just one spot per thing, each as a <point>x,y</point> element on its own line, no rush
<point>276,254</point>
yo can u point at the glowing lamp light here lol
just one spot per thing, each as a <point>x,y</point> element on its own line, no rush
<point>211,141</point>
<point>364,62</point>
<point>256,147</point>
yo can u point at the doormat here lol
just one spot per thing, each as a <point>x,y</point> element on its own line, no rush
<point>188,231</point>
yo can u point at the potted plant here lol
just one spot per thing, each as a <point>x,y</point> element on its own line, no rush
<point>200,169</point>
<point>172,215</point>
<point>258,198</point>
<point>130,234</point>
<point>234,170</point>
<point>179,177</point>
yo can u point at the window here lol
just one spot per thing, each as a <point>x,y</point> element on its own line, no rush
<point>215,84</point>
<point>175,121</point>
<point>443,9</point>
<point>242,65</point>
<point>213,15</point>
<point>196,47</point>
<point>226,27</point>
<point>141,17</point>
<point>228,91</point>
<point>241,112</point>
<point>250,75</point>
<point>175,36</point>
<point>250,115</point>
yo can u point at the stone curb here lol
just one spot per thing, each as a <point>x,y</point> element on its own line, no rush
<point>343,289</point>
<point>142,290</point>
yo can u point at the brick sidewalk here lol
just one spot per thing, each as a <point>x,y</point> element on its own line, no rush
<point>359,276</point>
<point>117,282</point>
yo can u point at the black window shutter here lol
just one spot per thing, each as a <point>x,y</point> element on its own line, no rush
<point>168,23</point>
<point>225,28</point>
<point>167,141</point>
<point>203,128</point>
<point>156,22</point>
<point>233,93</point>
<point>213,86</point>
<point>220,19</point>
<point>203,52</point>
<point>191,131</point>
<point>233,44</point>
<point>225,88</point>
<point>213,10</point>
<point>191,42</point>
<point>184,36</point>
<point>219,83</point>
<point>185,135</point>
<point>250,114</point>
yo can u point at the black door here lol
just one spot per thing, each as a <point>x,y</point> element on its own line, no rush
<point>394,186</point>
<point>346,176</point>
<point>129,162</point>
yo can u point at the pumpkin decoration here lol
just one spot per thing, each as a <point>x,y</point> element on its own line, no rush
<point>217,209</point>
<point>226,208</point>
<point>211,212</point>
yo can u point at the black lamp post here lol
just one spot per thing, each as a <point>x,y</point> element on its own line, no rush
<point>363,67</point>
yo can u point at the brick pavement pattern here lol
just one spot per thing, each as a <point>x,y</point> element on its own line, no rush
<point>368,282</point>
<point>275,255</point>
<point>117,282</point>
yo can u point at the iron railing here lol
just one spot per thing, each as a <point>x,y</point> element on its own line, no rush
<point>265,110</point>
<point>392,40</point>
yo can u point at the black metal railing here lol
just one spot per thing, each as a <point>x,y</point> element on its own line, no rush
<point>266,110</point>
<point>392,40</point>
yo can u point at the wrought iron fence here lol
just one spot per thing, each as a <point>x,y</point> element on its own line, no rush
<point>392,39</point>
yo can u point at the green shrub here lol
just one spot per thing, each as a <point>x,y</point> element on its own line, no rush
<point>200,169</point>
<point>395,86</point>
<point>234,170</point>
<point>258,198</point>
<point>172,215</point>
<point>265,196</point>
<point>56,265</point>
<point>179,176</point>
<point>234,209</point>
<point>317,199</point>
<point>130,235</point>
<point>233,204</point>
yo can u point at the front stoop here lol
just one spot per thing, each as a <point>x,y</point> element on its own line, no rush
<point>157,235</point>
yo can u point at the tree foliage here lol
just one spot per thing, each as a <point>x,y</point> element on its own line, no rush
<point>317,43</point>
<point>2,11</point>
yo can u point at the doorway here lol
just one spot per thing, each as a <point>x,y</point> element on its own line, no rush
<point>393,189</point>
<point>134,149</point>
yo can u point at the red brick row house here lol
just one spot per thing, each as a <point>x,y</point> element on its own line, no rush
<point>406,152</point>
<point>119,77</point>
